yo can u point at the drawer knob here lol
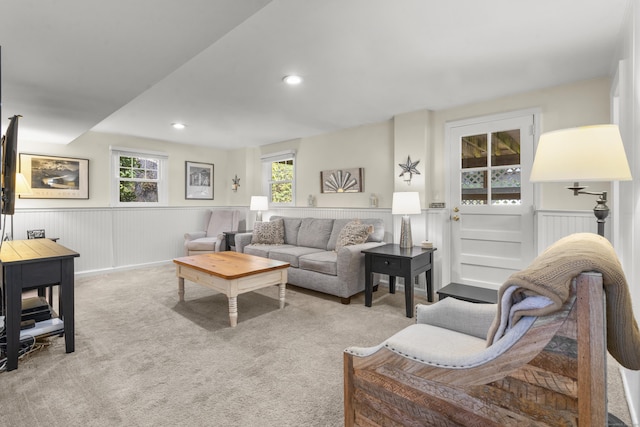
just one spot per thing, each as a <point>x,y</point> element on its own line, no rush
<point>386,263</point>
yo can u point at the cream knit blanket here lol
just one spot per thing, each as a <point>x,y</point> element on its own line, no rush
<point>550,275</point>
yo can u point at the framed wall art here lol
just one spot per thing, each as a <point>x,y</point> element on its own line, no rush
<point>53,177</point>
<point>342,180</point>
<point>199,181</point>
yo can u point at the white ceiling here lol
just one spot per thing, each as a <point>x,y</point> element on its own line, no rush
<point>134,67</point>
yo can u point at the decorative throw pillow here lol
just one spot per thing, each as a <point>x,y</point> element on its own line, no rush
<point>353,233</point>
<point>268,233</point>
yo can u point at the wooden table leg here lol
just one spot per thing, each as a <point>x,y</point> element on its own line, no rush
<point>233,311</point>
<point>283,290</point>
<point>408,295</point>
<point>181,288</point>
<point>368,281</point>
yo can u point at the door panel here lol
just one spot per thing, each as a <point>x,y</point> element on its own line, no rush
<point>492,219</point>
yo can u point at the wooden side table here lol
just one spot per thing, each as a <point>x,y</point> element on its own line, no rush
<point>229,239</point>
<point>398,262</point>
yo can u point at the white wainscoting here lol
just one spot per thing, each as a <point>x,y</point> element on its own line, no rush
<point>552,225</point>
<point>115,238</point>
<point>120,238</point>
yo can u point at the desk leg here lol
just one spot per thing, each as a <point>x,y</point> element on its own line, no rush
<point>392,284</point>
<point>429,286</point>
<point>13,275</point>
<point>67,297</point>
<point>408,295</point>
<point>368,281</point>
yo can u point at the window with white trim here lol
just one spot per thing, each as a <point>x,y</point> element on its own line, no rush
<point>138,178</point>
<point>279,178</point>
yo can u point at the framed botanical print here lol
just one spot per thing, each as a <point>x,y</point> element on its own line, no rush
<point>198,181</point>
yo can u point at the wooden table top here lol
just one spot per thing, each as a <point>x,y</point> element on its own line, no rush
<point>23,251</point>
<point>230,265</point>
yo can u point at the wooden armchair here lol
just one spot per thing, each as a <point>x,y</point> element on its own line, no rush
<point>546,370</point>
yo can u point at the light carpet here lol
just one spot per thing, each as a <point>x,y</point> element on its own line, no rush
<point>144,359</point>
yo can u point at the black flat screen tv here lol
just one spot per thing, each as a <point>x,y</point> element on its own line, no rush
<point>8,165</point>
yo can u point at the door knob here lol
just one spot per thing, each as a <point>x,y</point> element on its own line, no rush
<point>456,218</point>
<point>456,209</point>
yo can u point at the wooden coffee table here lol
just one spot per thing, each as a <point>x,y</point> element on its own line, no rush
<point>231,273</point>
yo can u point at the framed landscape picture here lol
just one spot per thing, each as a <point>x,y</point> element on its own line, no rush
<point>52,177</point>
<point>199,181</point>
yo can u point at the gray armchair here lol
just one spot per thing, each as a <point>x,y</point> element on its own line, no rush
<point>211,238</point>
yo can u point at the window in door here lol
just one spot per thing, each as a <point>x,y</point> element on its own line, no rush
<point>491,168</point>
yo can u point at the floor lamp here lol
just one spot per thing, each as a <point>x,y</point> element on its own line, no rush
<point>588,153</point>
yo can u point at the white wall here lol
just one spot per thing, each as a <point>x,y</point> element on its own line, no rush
<point>369,147</point>
<point>629,244</point>
<point>95,147</point>
<point>577,104</point>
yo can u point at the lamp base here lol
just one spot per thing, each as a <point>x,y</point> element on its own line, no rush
<point>405,233</point>
<point>259,216</point>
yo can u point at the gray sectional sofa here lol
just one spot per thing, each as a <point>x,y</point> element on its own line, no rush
<point>309,246</point>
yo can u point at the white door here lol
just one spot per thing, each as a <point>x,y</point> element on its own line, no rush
<point>491,199</point>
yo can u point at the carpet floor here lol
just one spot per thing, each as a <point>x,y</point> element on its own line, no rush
<point>144,359</point>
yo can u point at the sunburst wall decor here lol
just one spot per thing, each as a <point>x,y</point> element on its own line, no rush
<point>342,180</point>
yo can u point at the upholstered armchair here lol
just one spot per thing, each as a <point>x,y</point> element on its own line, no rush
<point>211,239</point>
<point>536,358</point>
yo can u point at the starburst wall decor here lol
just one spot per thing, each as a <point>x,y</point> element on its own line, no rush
<point>342,180</point>
<point>408,169</point>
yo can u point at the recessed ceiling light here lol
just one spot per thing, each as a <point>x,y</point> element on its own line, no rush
<point>178,125</point>
<point>292,80</point>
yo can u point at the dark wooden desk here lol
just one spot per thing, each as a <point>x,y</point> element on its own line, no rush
<point>395,261</point>
<point>29,264</point>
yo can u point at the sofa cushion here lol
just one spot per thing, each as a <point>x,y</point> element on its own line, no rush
<point>338,225</point>
<point>321,262</point>
<point>291,254</point>
<point>354,233</point>
<point>262,250</point>
<point>203,244</point>
<point>315,232</point>
<point>268,233</point>
<point>221,220</point>
<point>378,229</point>
<point>291,228</point>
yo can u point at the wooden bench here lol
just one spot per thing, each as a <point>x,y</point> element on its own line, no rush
<point>468,293</point>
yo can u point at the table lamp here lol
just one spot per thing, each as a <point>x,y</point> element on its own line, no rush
<point>259,203</point>
<point>587,153</point>
<point>405,203</point>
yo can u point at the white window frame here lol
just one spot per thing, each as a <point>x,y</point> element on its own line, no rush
<point>162,180</point>
<point>267,160</point>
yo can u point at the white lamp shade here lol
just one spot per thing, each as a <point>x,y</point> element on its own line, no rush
<point>588,153</point>
<point>259,203</point>
<point>406,203</point>
<point>22,186</point>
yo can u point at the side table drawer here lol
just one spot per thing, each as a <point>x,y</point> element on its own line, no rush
<point>387,265</point>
